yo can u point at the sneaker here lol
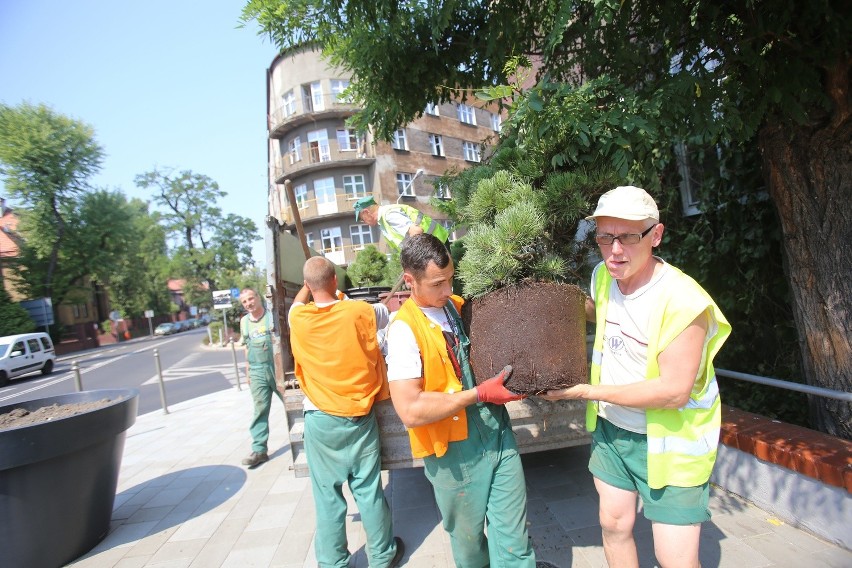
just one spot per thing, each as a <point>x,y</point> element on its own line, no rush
<point>255,459</point>
<point>400,552</point>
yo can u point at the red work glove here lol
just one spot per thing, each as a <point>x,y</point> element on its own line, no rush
<point>493,390</point>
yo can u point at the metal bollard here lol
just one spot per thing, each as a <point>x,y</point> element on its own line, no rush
<point>236,367</point>
<point>75,367</point>
<point>162,384</point>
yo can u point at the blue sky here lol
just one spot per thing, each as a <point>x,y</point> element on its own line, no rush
<point>164,84</point>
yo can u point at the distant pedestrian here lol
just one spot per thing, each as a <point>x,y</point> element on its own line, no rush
<point>256,329</point>
<point>342,372</point>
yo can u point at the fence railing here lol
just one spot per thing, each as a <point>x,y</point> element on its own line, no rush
<point>786,385</point>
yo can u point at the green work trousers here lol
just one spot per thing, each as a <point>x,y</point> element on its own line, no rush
<point>347,450</point>
<point>480,483</point>
<point>262,387</point>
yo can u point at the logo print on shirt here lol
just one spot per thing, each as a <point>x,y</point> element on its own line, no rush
<point>616,344</point>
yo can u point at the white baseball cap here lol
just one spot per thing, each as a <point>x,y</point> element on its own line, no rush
<point>626,202</point>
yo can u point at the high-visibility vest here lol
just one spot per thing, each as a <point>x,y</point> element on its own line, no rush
<point>336,356</point>
<point>425,222</point>
<point>682,442</point>
<point>438,376</point>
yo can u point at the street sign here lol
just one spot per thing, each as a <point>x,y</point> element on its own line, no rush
<point>221,299</point>
<point>149,313</point>
<point>40,310</point>
<point>235,293</point>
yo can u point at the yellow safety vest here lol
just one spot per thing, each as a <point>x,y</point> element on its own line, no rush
<point>438,376</point>
<point>682,442</point>
<point>426,223</point>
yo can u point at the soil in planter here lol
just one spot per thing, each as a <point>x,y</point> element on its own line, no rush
<point>537,327</point>
<point>18,417</point>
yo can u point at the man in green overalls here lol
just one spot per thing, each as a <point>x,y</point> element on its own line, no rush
<point>461,430</point>
<point>256,335</point>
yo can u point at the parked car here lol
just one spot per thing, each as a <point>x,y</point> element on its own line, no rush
<point>167,328</point>
<point>25,353</point>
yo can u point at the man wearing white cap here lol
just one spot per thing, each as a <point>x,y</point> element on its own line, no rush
<point>654,408</point>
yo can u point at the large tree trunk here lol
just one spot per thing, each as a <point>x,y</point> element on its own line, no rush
<point>809,174</point>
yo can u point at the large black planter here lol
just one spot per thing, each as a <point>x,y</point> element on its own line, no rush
<point>58,479</point>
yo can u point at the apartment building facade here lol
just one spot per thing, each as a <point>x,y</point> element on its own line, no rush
<point>330,166</point>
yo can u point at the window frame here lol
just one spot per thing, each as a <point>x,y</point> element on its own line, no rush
<point>464,112</point>
<point>398,136</point>
<point>300,192</point>
<point>362,229</point>
<point>353,183</point>
<point>436,141</point>
<point>472,151</point>
<point>407,186</point>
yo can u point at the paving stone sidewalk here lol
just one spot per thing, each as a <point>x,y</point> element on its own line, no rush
<point>184,500</point>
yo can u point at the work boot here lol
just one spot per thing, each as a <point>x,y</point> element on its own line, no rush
<point>255,459</point>
<point>400,552</point>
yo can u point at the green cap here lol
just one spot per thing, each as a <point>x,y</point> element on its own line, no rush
<point>363,203</point>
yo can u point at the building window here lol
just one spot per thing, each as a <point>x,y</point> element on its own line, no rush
<point>404,185</point>
<point>466,114</point>
<point>399,141</point>
<point>289,103</point>
<point>76,311</point>
<point>324,191</point>
<point>301,192</point>
<point>347,139</point>
<point>437,144</point>
<point>442,191</point>
<point>312,97</point>
<point>354,186</point>
<point>471,151</point>
<point>331,240</point>
<point>338,88</point>
<point>309,238</point>
<point>318,145</point>
<point>361,236</point>
<point>496,122</point>
<point>432,109</point>
<point>295,150</point>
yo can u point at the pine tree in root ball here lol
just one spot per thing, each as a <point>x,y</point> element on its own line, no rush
<point>526,250</point>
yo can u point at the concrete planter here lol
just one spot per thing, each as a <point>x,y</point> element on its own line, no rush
<point>58,479</point>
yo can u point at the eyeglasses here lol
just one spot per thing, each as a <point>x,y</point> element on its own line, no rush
<point>623,238</point>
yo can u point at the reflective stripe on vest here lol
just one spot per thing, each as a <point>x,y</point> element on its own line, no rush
<point>705,444</point>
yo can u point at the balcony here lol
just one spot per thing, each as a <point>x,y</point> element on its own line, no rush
<point>287,117</point>
<point>321,155</point>
<point>342,205</point>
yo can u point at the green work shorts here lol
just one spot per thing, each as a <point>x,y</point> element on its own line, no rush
<point>620,458</point>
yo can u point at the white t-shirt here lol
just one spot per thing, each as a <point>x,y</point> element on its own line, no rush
<point>625,344</point>
<point>403,357</point>
<point>382,318</point>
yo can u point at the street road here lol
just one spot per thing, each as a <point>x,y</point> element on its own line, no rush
<point>189,370</point>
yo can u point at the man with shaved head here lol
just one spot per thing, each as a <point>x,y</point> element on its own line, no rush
<point>341,370</point>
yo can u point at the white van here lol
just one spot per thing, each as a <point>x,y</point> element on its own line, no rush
<point>25,353</point>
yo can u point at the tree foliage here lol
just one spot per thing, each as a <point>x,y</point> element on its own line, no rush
<point>372,268</point>
<point>208,248</point>
<point>46,161</point>
<point>13,318</point>
<point>642,78</point>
